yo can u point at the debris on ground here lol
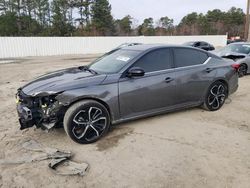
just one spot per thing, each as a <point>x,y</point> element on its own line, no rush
<point>60,160</point>
<point>66,167</point>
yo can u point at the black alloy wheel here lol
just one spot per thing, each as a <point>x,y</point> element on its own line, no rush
<point>216,96</point>
<point>86,121</point>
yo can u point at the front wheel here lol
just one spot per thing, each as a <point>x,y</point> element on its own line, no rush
<point>86,122</point>
<point>215,97</point>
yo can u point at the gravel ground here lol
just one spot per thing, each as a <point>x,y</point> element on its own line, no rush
<point>190,148</point>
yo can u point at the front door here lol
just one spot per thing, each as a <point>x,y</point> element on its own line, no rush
<point>151,92</point>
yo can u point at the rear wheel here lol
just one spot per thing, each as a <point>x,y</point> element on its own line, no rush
<point>216,96</point>
<point>86,121</point>
<point>242,70</point>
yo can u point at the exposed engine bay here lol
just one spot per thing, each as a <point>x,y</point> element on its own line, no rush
<point>43,111</point>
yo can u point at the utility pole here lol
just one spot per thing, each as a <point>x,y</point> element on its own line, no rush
<point>247,26</point>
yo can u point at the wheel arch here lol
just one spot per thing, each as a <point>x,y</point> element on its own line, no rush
<point>223,81</point>
<point>245,64</point>
<point>212,82</point>
<point>94,99</point>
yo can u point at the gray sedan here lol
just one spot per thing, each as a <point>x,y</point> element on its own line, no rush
<point>240,53</point>
<point>133,82</point>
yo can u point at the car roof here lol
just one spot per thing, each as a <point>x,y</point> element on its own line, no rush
<point>144,47</point>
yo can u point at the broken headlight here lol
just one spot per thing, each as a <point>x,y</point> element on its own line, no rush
<point>49,105</point>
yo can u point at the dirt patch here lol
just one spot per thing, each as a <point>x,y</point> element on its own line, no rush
<point>191,148</point>
<point>244,127</point>
<point>112,140</point>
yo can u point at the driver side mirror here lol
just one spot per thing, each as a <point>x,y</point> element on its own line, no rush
<point>135,72</point>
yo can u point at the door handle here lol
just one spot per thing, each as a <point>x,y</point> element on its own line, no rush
<point>168,79</point>
<point>208,70</point>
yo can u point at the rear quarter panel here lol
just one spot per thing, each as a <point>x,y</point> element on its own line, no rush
<point>226,73</point>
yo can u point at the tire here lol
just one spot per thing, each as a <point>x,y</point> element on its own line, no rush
<point>216,96</point>
<point>242,70</point>
<point>86,121</point>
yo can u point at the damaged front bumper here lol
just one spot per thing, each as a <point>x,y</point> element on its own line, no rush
<point>25,117</point>
<point>43,112</point>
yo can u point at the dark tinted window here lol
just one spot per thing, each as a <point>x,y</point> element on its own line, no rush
<point>155,61</point>
<point>197,44</point>
<point>189,57</point>
<point>204,44</point>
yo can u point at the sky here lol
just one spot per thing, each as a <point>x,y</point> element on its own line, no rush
<point>175,9</point>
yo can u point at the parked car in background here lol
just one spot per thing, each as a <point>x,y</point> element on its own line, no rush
<point>229,41</point>
<point>122,46</point>
<point>130,83</point>
<point>200,44</point>
<point>240,53</point>
<point>235,39</point>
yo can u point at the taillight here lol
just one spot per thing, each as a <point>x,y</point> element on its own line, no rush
<point>236,66</point>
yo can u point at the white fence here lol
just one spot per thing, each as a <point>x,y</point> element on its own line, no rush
<point>45,46</point>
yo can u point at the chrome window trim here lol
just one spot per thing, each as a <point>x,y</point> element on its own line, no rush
<point>165,70</point>
<point>160,71</point>
<point>208,59</point>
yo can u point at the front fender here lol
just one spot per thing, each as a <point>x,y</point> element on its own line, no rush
<point>106,94</point>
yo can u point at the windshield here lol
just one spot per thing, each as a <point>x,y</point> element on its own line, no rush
<point>114,62</point>
<point>237,48</point>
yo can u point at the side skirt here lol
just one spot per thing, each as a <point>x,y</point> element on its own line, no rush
<point>158,112</point>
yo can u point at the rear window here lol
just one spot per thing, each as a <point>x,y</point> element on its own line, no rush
<point>189,57</point>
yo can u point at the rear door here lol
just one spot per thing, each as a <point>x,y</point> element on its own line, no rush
<point>192,74</point>
<point>153,91</point>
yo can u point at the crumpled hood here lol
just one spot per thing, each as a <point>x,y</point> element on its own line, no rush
<point>228,54</point>
<point>62,80</point>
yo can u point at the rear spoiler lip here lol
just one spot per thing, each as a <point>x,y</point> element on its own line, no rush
<point>237,56</point>
<point>234,54</point>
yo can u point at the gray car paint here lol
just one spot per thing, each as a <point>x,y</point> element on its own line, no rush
<point>141,95</point>
<point>131,98</point>
<point>63,80</point>
<point>243,58</point>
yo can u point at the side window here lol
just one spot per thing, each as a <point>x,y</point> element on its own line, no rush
<point>197,44</point>
<point>155,61</point>
<point>188,57</point>
<point>204,44</point>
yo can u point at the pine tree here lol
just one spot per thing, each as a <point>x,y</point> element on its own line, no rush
<point>3,6</point>
<point>60,24</point>
<point>102,19</point>
<point>124,26</point>
<point>41,11</point>
<point>83,7</point>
